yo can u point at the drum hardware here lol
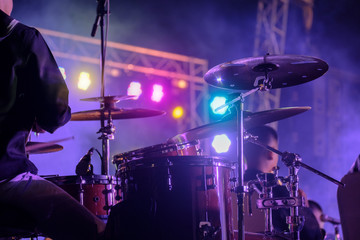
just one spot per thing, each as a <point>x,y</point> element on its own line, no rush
<point>293,162</point>
<point>207,231</point>
<point>117,190</point>
<point>210,181</point>
<point>240,189</point>
<point>84,167</point>
<point>275,71</point>
<point>267,182</point>
<point>81,192</point>
<point>283,202</point>
<point>170,186</point>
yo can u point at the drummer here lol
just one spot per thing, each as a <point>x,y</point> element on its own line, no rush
<point>260,160</point>
<point>32,87</point>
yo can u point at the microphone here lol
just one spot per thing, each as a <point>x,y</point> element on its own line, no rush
<point>326,218</point>
<point>100,13</point>
<point>84,167</point>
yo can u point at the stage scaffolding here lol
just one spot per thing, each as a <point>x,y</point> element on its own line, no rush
<point>147,61</point>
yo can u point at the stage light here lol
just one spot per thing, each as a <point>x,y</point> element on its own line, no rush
<point>158,93</point>
<point>134,89</point>
<point>63,73</point>
<point>221,143</point>
<point>182,84</point>
<point>217,102</point>
<point>178,112</point>
<point>115,72</point>
<point>84,81</point>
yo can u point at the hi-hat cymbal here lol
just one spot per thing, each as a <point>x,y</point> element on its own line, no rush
<point>42,147</point>
<point>118,113</point>
<point>283,70</point>
<point>228,124</point>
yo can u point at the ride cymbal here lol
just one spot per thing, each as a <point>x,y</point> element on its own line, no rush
<point>282,71</point>
<point>118,113</point>
<point>228,124</point>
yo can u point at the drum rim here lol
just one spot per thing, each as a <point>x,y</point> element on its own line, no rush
<point>161,147</point>
<point>76,179</point>
<point>166,161</point>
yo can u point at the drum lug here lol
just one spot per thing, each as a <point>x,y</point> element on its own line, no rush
<point>169,175</point>
<point>212,184</point>
<point>207,231</point>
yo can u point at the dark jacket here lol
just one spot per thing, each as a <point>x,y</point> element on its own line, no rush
<point>31,88</point>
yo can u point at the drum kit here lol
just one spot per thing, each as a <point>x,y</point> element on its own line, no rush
<point>191,193</point>
<point>194,191</point>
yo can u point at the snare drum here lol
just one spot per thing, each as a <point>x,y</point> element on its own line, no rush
<point>96,192</point>
<point>190,195</point>
<point>160,150</point>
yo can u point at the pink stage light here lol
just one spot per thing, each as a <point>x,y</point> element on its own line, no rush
<point>134,89</point>
<point>158,93</point>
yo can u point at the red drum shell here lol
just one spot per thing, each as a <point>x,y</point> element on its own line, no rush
<point>99,191</point>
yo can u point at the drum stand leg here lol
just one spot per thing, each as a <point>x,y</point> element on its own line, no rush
<point>240,190</point>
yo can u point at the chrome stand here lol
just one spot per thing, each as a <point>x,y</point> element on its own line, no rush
<point>293,162</point>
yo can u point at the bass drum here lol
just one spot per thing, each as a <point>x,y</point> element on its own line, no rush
<point>184,197</point>
<point>98,193</point>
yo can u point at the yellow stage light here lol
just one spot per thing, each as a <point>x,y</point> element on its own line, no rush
<point>178,112</point>
<point>84,81</point>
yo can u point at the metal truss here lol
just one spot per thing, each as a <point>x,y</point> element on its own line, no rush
<point>270,37</point>
<point>142,60</point>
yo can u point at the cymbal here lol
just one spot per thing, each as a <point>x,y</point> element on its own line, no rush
<point>42,147</point>
<point>283,70</point>
<point>117,113</point>
<point>228,124</point>
<point>109,99</point>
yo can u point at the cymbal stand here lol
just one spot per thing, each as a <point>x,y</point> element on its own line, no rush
<point>106,131</point>
<point>264,85</point>
<point>240,188</point>
<point>293,162</point>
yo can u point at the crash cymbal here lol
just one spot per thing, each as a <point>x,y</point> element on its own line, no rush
<point>282,70</point>
<point>42,147</point>
<point>118,113</point>
<point>228,124</point>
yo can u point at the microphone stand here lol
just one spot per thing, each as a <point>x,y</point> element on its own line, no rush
<point>104,130</point>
